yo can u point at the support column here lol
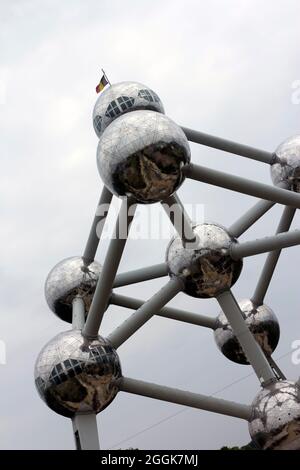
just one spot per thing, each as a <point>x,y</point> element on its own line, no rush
<point>249,345</point>
<point>97,226</point>
<point>180,220</point>
<point>85,428</point>
<point>272,259</point>
<point>85,432</point>
<point>109,270</point>
<point>78,313</point>
<point>145,312</point>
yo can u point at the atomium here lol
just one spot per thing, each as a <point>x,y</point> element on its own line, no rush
<point>286,165</point>
<point>68,279</point>
<point>275,420</point>
<point>209,269</point>
<point>262,323</point>
<point>73,375</point>
<point>120,98</point>
<point>142,154</point>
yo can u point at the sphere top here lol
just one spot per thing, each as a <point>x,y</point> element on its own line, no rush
<point>120,98</point>
<point>275,420</point>
<point>68,279</point>
<point>208,269</point>
<point>141,154</point>
<point>74,375</point>
<point>286,166</point>
<point>262,323</point>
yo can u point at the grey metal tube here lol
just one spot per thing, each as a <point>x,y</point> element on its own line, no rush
<point>242,185</point>
<point>263,245</point>
<point>78,313</point>
<point>145,312</point>
<point>140,275</point>
<point>166,312</point>
<point>272,259</point>
<point>250,217</point>
<point>97,226</point>
<point>249,345</point>
<point>228,146</point>
<point>85,431</point>
<point>109,269</point>
<point>182,397</point>
<point>180,220</point>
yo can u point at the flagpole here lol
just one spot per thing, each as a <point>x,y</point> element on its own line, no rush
<point>106,77</point>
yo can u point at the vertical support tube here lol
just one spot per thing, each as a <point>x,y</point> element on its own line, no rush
<point>85,432</point>
<point>97,226</point>
<point>109,270</point>
<point>78,313</point>
<point>249,345</point>
<point>272,259</point>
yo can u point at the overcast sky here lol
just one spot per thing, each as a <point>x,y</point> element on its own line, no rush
<point>223,67</point>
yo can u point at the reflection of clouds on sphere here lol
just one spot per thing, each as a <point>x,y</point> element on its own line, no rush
<point>142,154</point>
<point>68,279</point>
<point>286,166</point>
<point>121,98</point>
<point>275,420</point>
<point>73,375</point>
<point>208,270</point>
<point>261,321</point>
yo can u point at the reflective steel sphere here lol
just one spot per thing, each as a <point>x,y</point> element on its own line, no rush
<point>275,420</point>
<point>141,154</point>
<point>73,375</point>
<point>286,166</point>
<point>208,270</point>
<point>262,323</point>
<point>121,98</point>
<point>68,279</point>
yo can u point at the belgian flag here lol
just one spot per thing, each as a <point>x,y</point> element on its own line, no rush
<point>102,84</point>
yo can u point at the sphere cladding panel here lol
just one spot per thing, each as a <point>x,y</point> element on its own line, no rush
<point>275,420</point>
<point>122,98</point>
<point>68,279</point>
<point>209,269</point>
<point>74,375</point>
<point>141,154</point>
<point>286,166</point>
<point>262,323</point>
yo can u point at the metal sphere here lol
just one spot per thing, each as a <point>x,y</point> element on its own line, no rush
<point>141,154</point>
<point>68,279</point>
<point>262,323</point>
<point>286,165</point>
<point>209,269</point>
<point>121,98</point>
<point>73,375</point>
<point>275,420</point>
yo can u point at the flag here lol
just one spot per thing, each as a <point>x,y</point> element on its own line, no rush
<point>102,84</point>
